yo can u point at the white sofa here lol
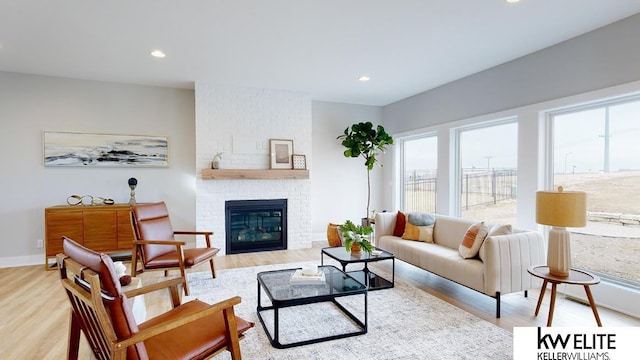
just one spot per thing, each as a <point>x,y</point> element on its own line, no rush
<point>500,267</point>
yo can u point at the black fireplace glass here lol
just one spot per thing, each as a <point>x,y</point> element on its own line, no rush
<point>255,225</point>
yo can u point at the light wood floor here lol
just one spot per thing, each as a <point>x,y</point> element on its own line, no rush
<point>34,310</point>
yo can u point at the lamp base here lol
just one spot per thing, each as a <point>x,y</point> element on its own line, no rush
<point>559,252</point>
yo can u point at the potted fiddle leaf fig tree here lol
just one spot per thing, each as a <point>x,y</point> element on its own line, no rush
<point>363,140</point>
<point>356,237</point>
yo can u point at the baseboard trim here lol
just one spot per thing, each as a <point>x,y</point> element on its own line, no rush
<point>17,261</point>
<point>609,295</point>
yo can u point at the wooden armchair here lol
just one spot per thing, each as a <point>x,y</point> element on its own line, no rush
<point>155,245</point>
<point>100,310</point>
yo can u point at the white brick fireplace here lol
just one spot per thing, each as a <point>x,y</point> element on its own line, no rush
<point>239,122</point>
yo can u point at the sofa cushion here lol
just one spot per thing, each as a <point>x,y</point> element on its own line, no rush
<point>448,230</point>
<point>418,233</point>
<point>401,220</point>
<point>421,219</point>
<point>500,229</point>
<point>472,240</point>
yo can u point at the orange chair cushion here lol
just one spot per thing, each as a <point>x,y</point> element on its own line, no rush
<point>191,257</point>
<point>193,341</point>
<point>153,223</point>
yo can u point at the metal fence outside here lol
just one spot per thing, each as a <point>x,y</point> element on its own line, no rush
<point>478,187</point>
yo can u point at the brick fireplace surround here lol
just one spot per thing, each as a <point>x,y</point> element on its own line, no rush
<point>239,122</point>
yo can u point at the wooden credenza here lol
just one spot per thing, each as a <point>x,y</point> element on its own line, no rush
<point>104,228</point>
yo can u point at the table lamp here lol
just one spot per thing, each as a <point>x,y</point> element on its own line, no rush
<point>560,209</point>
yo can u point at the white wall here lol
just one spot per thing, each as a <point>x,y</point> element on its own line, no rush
<point>339,186</point>
<point>240,122</point>
<point>30,104</point>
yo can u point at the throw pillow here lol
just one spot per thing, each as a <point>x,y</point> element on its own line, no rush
<point>500,230</point>
<point>333,235</point>
<point>472,240</point>
<point>421,219</point>
<point>401,220</point>
<point>418,233</point>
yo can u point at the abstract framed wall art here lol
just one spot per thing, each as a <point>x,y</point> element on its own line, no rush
<point>281,151</point>
<point>104,150</point>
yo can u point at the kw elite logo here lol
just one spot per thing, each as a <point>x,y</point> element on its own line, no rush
<point>575,343</point>
<point>575,346</point>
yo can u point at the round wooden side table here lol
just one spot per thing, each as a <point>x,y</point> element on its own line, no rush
<point>576,277</point>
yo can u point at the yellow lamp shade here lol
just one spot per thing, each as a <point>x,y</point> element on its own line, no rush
<point>561,208</point>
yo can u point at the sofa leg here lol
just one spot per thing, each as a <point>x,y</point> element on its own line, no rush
<point>498,304</point>
<point>526,293</point>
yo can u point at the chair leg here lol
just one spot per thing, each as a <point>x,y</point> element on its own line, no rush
<point>498,304</point>
<point>213,269</point>
<point>134,262</point>
<point>74,338</point>
<point>185,284</point>
<point>233,340</point>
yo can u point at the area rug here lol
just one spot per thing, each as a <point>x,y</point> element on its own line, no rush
<point>403,323</point>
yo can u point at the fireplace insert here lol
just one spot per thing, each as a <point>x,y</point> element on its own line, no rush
<point>255,225</point>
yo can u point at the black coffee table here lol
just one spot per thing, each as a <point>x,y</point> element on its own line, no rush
<point>282,294</point>
<point>372,280</point>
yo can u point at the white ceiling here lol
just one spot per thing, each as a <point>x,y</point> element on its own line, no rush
<point>319,47</point>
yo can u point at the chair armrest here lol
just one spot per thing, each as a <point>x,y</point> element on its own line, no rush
<point>152,331</point>
<point>170,284</point>
<point>159,242</point>
<point>193,233</point>
<point>206,234</point>
<point>145,289</point>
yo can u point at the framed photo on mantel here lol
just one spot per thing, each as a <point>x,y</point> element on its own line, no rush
<point>299,162</point>
<point>280,153</point>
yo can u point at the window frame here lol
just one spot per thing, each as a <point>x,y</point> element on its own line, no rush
<point>549,157</point>
<point>456,190</point>
<point>401,144</point>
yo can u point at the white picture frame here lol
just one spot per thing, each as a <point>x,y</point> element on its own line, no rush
<point>280,153</point>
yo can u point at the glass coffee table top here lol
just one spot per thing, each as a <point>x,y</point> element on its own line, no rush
<point>372,280</point>
<point>341,254</point>
<point>277,284</point>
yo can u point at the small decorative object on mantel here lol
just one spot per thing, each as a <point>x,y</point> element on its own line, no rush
<point>356,237</point>
<point>280,153</point>
<point>299,162</point>
<point>133,182</point>
<point>215,164</point>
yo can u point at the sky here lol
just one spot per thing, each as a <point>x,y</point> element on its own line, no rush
<point>474,150</point>
<point>580,144</point>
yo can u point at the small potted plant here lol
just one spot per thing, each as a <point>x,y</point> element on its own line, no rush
<point>356,237</point>
<point>215,164</point>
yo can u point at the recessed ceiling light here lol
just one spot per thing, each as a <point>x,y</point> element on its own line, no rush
<point>512,1</point>
<point>157,53</point>
<point>363,78</point>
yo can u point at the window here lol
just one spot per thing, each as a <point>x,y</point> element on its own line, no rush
<point>487,172</point>
<point>420,165</point>
<point>596,149</point>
